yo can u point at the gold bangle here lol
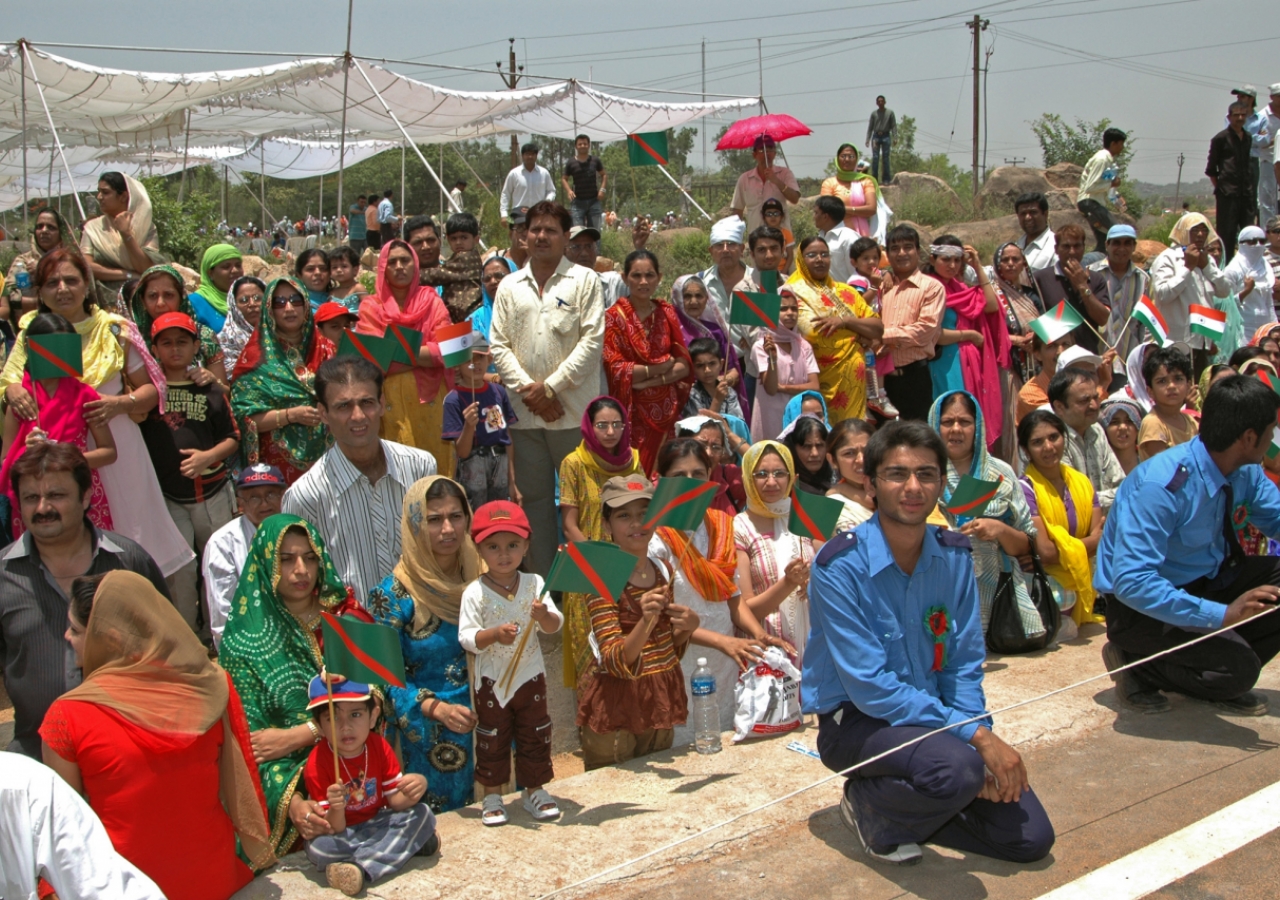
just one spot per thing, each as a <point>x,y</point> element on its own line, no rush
<point>315,731</point>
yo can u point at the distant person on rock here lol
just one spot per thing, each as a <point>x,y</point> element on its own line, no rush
<point>881,128</point>
<point>586,195</point>
<point>1037,241</point>
<point>1098,184</point>
<point>1229,170</point>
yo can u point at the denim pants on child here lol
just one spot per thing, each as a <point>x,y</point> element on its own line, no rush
<point>483,475</point>
<point>381,846</point>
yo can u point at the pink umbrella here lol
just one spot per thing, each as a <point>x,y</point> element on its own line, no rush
<point>743,133</point>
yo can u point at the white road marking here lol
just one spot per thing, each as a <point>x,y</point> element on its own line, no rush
<point>1181,853</point>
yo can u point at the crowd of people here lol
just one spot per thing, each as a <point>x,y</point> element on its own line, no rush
<point>225,469</point>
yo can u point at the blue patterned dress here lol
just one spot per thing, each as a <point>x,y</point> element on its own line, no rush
<point>435,666</point>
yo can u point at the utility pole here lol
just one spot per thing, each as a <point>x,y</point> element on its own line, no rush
<point>977,26</point>
<point>703,125</point>
<point>1177,191</point>
<point>760,70</point>
<point>1015,162</point>
<point>511,79</point>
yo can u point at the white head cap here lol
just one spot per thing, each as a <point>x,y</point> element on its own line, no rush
<point>731,229</point>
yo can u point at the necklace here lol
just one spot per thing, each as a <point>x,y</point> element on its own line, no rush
<point>309,621</point>
<point>346,773</point>
<point>508,590</point>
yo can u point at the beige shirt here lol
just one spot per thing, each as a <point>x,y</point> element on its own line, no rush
<point>555,336</point>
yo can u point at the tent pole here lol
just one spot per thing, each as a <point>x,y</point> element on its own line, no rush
<point>442,172</point>
<point>35,78</point>
<point>484,184</point>
<point>223,192</point>
<point>320,215</point>
<point>342,136</point>
<point>26,199</point>
<point>262,182</point>
<point>186,143</point>
<point>404,206</point>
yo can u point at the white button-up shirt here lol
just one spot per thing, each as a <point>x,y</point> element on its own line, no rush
<point>554,336</point>
<point>1042,253</point>
<point>224,558</point>
<point>839,240</point>
<point>525,188</point>
<point>359,521</point>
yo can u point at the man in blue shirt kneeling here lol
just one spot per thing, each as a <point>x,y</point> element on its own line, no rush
<point>895,651</point>
<point>1171,568</point>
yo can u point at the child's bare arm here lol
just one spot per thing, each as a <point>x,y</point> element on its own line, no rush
<point>104,454</point>
<point>409,792</point>
<point>10,430</point>
<point>499,634</point>
<point>337,814</point>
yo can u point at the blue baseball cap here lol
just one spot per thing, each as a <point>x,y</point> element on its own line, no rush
<point>347,692</point>
<point>259,475</point>
<point>1115,232</point>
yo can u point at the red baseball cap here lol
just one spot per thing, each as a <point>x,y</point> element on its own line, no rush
<point>331,310</point>
<point>496,516</point>
<point>174,320</point>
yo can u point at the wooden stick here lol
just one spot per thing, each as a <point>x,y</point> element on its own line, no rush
<point>333,733</point>
<point>512,666</point>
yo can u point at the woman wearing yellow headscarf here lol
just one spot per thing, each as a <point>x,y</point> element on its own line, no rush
<point>421,599</point>
<point>839,324</point>
<point>1064,510</point>
<point>773,563</point>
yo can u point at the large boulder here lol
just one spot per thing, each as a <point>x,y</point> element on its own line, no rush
<point>1063,198</point>
<point>908,184</point>
<point>1005,183</point>
<point>1064,175</point>
<point>986,234</point>
<point>1146,252</point>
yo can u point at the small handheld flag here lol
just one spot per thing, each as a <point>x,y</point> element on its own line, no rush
<point>362,651</point>
<point>54,356</point>
<point>1147,314</point>
<point>1059,321</point>
<point>680,503</point>
<point>405,344</point>
<point>972,496</point>
<point>1208,322</point>
<point>813,516</point>
<point>769,280</point>
<point>455,343</point>
<point>591,567</point>
<point>648,148</point>
<point>755,309</point>
<point>377,350</point>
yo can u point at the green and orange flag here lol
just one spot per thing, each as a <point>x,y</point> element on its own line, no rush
<point>972,495</point>
<point>813,516</point>
<point>362,651</point>
<point>648,148</point>
<point>591,567</point>
<point>749,308</point>
<point>54,356</point>
<point>378,350</point>
<point>680,503</point>
<point>405,344</point>
<point>769,280</point>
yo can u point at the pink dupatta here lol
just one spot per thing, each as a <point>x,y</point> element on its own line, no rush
<point>981,365</point>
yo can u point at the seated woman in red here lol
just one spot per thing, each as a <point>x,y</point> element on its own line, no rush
<point>157,727</point>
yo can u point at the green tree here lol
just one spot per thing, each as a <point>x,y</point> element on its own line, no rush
<point>1061,142</point>
<point>184,228</point>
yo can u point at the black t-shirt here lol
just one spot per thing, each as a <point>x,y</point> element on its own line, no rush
<point>583,175</point>
<point>195,418</point>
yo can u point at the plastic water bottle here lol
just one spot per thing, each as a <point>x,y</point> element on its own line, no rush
<point>706,712</point>
<point>21,277</point>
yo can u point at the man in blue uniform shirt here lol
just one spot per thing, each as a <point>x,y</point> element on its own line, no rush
<point>1171,567</point>
<point>895,651</point>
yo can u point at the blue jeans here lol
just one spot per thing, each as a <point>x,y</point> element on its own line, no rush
<point>880,168</point>
<point>587,212</point>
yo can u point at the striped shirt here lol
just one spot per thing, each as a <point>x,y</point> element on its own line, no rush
<point>912,312</point>
<point>359,521</point>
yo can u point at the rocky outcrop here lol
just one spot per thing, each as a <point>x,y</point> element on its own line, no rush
<point>1064,175</point>
<point>1006,183</point>
<point>905,184</point>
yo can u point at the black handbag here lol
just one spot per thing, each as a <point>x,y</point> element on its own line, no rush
<point>1005,632</point>
<point>1043,598</point>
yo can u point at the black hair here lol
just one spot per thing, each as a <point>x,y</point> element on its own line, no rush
<point>1169,358</point>
<point>635,256</point>
<point>963,397</point>
<point>674,451</point>
<point>528,148</point>
<point>361,197</point>
<point>881,97</point>
<point>1111,135</point>
<point>847,428</point>
<point>900,433</point>
<point>806,427</point>
<point>831,207</point>
<point>863,245</point>
<point>1035,197</point>
<point>1039,417</point>
<point>347,370</point>
<point>550,209</point>
<point>582,137</point>
<point>84,589</point>
<point>840,149</point>
<point>444,487</point>
<point>460,184</point>
<point>370,704</point>
<point>811,240</point>
<point>115,181</point>
<point>606,402</point>
<point>766,233</point>
<point>1038,344</point>
<point>417,223</point>
<point>387,192</point>
<point>346,252</point>
<point>49,323</point>
<point>1243,354</point>
<point>704,345</point>
<point>1239,104</point>
<point>945,240</point>
<point>902,233</point>
<point>1064,379</point>
<point>462,223</point>
<point>306,256</point>
<point>1235,405</point>
<point>51,456</point>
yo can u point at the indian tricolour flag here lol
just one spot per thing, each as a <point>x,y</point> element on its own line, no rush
<point>1145,312</point>
<point>455,343</point>
<point>1208,322</point>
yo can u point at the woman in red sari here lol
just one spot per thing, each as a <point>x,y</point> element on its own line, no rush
<point>645,358</point>
<point>156,734</point>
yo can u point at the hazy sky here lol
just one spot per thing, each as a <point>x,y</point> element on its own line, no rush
<point>1161,69</point>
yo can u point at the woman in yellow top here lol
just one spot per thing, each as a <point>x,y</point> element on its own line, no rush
<point>839,324</point>
<point>605,452</point>
<point>857,189</point>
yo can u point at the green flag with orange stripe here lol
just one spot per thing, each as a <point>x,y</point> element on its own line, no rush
<point>750,308</point>
<point>680,503</point>
<point>648,148</point>
<point>591,567</point>
<point>813,516</point>
<point>972,496</point>
<point>380,351</point>
<point>362,651</point>
<point>54,356</point>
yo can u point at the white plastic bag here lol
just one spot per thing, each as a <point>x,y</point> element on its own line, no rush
<point>879,221</point>
<point>768,698</point>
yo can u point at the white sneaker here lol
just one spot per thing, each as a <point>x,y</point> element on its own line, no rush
<point>901,855</point>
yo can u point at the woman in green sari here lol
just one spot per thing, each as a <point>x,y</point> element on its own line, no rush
<point>159,291</point>
<point>273,394</point>
<point>272,649</point>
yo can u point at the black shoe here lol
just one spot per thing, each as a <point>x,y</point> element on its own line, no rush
<point>1247,704</point>
<point>1132,691</point>
<point>431,847</point>
<point>897,855</point>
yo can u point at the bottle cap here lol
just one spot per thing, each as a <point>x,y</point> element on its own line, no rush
<point>702,660</point>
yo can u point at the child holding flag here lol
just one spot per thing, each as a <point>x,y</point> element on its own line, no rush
<point>510,681</point>
<point>477,414</point>
<point>1167,373</point>
<point>373,809</point>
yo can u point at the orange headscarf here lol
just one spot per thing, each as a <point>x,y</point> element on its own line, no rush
<point>712,576</point>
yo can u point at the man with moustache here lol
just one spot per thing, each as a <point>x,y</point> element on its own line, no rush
<point>51,481</point>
